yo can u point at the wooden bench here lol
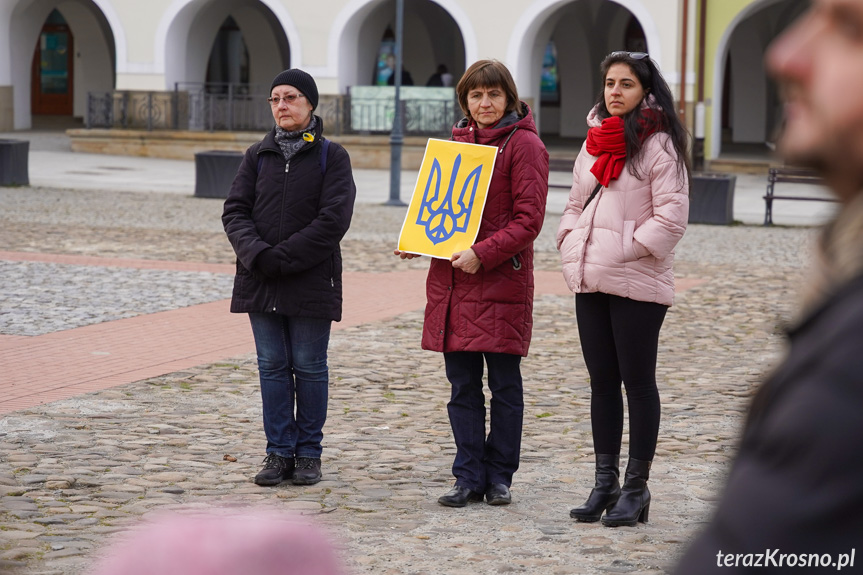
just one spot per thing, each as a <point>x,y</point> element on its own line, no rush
<point>790,175</point>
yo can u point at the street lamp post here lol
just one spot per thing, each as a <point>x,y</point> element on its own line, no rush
<point>397,135</point>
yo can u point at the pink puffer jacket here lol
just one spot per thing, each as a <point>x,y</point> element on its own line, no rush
<point>623,243</point>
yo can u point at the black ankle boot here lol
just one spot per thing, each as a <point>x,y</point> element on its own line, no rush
<point>605,492</point>
<point>634,502</point>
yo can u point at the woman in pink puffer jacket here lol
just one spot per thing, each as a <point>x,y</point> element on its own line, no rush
<point>627,210</point>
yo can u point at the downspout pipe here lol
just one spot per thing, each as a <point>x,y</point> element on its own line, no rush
<point>698,142</point>
<point>681,111</point>
<point>702,33</point>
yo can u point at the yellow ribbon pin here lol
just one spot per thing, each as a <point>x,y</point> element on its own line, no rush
<point>308,136</point>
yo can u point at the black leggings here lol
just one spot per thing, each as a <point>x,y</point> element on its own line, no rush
<point>619,340</point>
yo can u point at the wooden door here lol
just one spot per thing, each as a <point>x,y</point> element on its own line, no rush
<point>52,71</point>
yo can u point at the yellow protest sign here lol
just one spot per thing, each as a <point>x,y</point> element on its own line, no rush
<point>446,207</point>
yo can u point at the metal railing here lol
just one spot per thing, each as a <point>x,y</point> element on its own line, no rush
<point>420,117</point>
<point>202,107</point>
<point>242,107</point>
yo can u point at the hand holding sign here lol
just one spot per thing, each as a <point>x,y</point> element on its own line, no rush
<point>466,261</point>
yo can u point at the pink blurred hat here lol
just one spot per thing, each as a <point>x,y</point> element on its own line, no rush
<point>249,543</point>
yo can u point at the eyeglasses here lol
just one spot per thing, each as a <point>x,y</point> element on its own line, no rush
<point>633,55</point>
<point>289,99</point>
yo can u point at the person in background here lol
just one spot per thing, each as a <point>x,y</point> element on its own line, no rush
<point>407,79</point>
<point>628,208</point>
<point>288,208</point>
<point>793,501</point>
<point>445,76</point>
<point>437,79</point>
<point>480,301</point>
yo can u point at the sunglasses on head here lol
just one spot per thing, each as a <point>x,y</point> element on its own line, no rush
<point>633,55</point>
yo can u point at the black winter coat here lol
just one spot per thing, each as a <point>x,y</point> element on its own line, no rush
<point>303,214</point>
<point>796,486</point>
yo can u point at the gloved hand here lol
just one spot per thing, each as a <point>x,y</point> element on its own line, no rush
<point>268,263</point>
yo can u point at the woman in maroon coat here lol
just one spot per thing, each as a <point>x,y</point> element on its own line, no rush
<point>480,302</point>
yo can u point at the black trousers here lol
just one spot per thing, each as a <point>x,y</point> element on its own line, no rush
<point>480,460</point>
<point>619,340</point>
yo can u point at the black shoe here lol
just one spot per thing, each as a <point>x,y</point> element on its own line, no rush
<point>276,469</point>
<point>498,494</point>
<point>458,496</point>
<point>606,490</point>
<point>307,471</point>
<point>634,503</point>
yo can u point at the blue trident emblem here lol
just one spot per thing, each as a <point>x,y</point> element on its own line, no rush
<point>444,216</point>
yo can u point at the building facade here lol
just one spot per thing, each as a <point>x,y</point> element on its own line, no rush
<point>53,53</point>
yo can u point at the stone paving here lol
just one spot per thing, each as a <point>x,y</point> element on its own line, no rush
<point>78,472</point>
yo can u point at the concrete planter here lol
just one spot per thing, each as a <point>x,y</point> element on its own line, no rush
<point>711,198</point>
<point>215,171</point>
<point>13,163</point>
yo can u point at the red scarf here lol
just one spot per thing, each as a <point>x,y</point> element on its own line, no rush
<point>608,144</point>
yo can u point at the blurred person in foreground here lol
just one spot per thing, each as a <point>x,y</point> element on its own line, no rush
<point>480,301</point>
<point>794,497</point>
<point>245,543</point>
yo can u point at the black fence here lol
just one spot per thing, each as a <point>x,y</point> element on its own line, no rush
<point>233,107</point>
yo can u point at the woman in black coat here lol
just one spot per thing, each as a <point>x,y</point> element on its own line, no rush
<point>289,207</point>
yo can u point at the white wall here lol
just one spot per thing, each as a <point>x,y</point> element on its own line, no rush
<point>753,28</point>
<point>585,30</point>
<point>577,83</point>
<point>192,31</point>
<point>431,37</point>
<point>6,43</point>
<point>166,41</point>
<point>200,37</point>
<point>371,30</point>
<point>266,58</point>
<point>577,70</point>
<point>27,21</point>
<point>92,60</point>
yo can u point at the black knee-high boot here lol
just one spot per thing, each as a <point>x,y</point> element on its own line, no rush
<point>605,492</point>
<point>634,502</point>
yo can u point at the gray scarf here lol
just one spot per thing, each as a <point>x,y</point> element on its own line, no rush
<point>293,142</point>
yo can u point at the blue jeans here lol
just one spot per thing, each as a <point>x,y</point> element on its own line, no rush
<point>292,363</point>
<point>480,460</point>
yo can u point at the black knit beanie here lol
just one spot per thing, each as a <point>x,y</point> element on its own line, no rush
<point>300,80</point>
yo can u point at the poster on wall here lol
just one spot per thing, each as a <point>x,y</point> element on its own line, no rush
<point>385,62</point>
<point>446,207</point>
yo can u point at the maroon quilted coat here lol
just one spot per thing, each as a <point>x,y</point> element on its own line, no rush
<point>492,310</point>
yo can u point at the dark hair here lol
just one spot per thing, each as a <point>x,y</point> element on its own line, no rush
<point>487,74</point>
<point>634,123</point>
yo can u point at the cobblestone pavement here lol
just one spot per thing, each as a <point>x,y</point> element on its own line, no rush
<point>78,472</point>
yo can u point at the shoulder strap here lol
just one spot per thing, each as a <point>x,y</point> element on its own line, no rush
<point>592,195</point>
<point>325,147</point>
